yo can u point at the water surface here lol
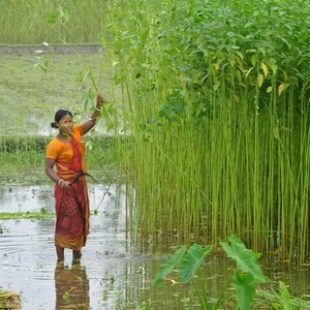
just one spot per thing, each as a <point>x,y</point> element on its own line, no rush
<point>109,276</point>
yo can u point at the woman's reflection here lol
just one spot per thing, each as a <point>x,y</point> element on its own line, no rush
<point>72,287</point>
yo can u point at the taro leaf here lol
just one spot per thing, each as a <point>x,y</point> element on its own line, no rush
<point>245,290</point>
<point>169,265</point>
<point>244,258</point>
<point>192,260</point>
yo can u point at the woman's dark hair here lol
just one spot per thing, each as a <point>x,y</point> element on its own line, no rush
<point>59,115</point>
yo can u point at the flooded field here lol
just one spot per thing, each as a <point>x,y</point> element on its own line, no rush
<point>109,276</point>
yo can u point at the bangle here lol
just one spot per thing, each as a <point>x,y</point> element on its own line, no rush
<point>60,182</point>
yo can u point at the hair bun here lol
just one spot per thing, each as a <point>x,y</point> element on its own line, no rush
<point>53,125</point>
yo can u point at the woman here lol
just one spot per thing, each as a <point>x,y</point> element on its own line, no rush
<point>65,166</point>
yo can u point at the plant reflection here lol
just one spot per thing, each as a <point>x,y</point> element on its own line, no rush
<point>72,287</point>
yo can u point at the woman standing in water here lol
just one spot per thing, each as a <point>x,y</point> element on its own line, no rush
<point>65,166</point>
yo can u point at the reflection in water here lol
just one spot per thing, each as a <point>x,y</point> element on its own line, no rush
<point>72,287</point>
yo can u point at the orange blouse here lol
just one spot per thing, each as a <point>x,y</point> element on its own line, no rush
<point>62,153</point>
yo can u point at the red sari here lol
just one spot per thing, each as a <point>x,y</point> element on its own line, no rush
<point>72,205</point>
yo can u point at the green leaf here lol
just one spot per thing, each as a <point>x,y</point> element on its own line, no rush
<point>245,290</point>
<point>282,88</point>
<point>169,265</point>
<point>244,258</point>
<point>248,72</point>
<point>285,297</point>
<point>260,80</point>
<point>265,69</point>
<point>192,260</point>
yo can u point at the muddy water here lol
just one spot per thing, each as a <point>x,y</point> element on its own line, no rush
<point>109,276</point>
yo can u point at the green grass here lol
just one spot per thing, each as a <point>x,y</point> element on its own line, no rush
<point>28,21</point>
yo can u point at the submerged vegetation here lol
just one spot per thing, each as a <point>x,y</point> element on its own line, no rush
<point>10,300</point>
<point>216,97</point>
<point>27,215</point>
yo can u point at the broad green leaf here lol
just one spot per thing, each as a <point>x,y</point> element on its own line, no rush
<point>245,290</point>
<point>169,264</point>
<point>282,88</point>
<point>260,80</point>
<point>244,258</point>
<point>192,260</point>
<point>264,68</point>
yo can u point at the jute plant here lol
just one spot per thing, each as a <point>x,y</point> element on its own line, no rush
<point>217,105</point>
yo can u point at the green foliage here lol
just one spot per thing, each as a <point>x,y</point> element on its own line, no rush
<point>285,297</point>
<point>245,290</point>
<point>245,258</point>
<point>281,299</point>
<point>192,260</point>
<point>217,103</point>
<point>169,265</point>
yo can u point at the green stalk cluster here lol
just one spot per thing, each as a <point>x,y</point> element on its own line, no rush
<point>216,99</point>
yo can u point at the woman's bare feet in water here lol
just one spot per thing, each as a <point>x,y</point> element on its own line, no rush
<point>60,254</point>
<point>76,255</point>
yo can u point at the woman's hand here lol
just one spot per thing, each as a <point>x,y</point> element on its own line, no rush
<point>88,125</point>
<point>64,185</point>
